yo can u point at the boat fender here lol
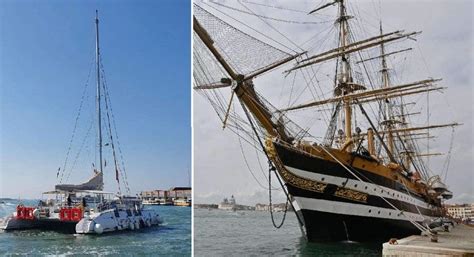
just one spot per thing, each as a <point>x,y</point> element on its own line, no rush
<point>131,225</point>
<point>148,223</point>
<point>36,213</point>
<point>98,229</point>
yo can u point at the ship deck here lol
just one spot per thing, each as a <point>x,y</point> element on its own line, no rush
<point>458,242</point>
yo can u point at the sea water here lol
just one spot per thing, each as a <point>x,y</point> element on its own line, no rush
<point>251,233</point>
<point>172,238</point>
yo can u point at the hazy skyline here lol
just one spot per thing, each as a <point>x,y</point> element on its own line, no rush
<point>46,51</point>
<point>445,46</point>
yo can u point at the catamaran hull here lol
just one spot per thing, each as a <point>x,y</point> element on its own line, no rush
<point>336,206</point>
<point>114,220</point>
<point>11,224</point>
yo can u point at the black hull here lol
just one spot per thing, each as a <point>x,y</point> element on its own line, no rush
<point>335,206</point>
<point>48,225</point>
<point>328,227</point>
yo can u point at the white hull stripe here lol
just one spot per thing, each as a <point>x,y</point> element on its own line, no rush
<point>365,187</point>
<point>356,209</point>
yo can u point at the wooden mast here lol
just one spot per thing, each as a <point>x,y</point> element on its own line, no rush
<point>389,121</point>
<point>345,77</point>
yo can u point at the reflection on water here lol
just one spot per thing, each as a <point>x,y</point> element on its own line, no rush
<point>243,233</point>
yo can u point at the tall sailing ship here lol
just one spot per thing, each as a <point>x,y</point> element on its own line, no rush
<point>366,176</point>
<point>85,208</point>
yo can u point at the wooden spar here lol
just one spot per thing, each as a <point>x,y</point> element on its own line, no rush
<point>339,49</point>
<point>207,40</point>
<point>244,86</point>
<point>213,86</point>
<point>407,114</point>
<point>404,94</point>
<point>414,134</point>
<point>420,128</point>
<point>251,75</point>
<point>228,110</point>
<point>414,138</point>
<point>336,53</point>
<point>428,154</point>
<point>369,93</point>
<point>385,55</point>
<point>323,6</point>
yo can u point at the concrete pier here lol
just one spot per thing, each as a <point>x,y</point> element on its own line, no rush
<point>458,242</point>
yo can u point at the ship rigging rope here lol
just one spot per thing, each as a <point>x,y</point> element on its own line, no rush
<point>264,21</point>
<point>111,138</point>
<point>276,7</point>
<point>245,158</point>
<point>122,171</point>
<point>248,166</point>
<point>272,168</point>
<point>249,12</point>
<point>84,92</point>
<point>249,27</point>
<point>448,157</point>
<point>80,149</point>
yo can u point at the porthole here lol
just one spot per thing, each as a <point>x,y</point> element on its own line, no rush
<point>370,211</point>
<point>322,179</point>
<point>378,212</point>
<point>365,187</point>
<point>382,191</point>
<point>389,213</point>
<point>355,185</point>
<point>375,189</point>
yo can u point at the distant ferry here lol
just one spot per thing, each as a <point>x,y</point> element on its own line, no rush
<point>228,205</point>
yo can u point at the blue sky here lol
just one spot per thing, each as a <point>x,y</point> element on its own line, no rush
<point>45,55</point>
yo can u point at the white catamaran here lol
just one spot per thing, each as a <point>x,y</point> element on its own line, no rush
<point>86,208</point>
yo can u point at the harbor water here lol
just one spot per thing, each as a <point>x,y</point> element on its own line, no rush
<point>251,233</point>
<point>172,238</point>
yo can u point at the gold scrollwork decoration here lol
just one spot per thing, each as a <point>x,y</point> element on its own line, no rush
<point>302,182</point>
<point>351,194</point>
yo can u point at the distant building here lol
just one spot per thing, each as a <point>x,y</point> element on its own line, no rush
<point>181,195</point>
<point>279,207</point>
<point>460,211</point>
<point>262,207</point>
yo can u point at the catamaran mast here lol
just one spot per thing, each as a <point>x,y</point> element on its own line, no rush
<point>97,60</point>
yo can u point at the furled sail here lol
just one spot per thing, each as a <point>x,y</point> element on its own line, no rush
<point>95,183</point>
